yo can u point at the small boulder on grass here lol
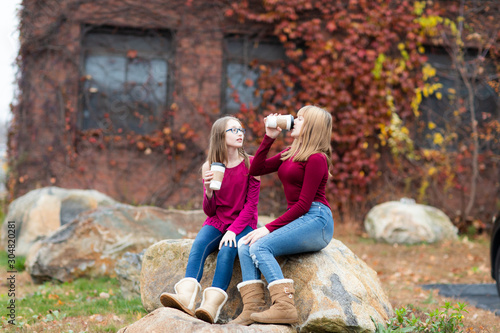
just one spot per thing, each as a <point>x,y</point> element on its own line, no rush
<point>406,222</point>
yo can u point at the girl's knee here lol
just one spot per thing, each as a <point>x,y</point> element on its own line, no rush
<point>242,248</point>
<point>226,250</point>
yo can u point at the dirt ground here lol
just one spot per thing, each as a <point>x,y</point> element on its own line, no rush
<point>403,269</point>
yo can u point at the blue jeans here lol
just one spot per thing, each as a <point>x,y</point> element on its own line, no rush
<point>206,242</point>
<point>311,232</point>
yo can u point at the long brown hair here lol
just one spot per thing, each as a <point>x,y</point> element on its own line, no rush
<point>315,136</point>
<point>217,149</point>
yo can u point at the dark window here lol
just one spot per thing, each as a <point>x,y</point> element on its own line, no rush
<point>445,112</point>
<point>242,56</point>
<point>125,79</point>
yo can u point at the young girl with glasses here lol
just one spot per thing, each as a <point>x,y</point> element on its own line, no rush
<point>306,226</point>
<point>231,214</point>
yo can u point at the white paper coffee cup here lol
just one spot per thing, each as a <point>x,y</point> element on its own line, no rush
<point>218,169</point>
<point>282,121</point>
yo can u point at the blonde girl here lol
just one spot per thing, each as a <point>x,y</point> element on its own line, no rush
<point>306,226</point>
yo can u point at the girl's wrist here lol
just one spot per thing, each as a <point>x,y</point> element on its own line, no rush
<point>209,193</point>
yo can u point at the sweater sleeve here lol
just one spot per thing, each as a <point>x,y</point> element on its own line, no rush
<point>262,166</point>
<point>209,205</point>
<point>316,168</point>
<point>250,207</point>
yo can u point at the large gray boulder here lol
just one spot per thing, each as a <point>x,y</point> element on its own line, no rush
<point>40,212</point>
<point>90,245</point>
<point>335,290</point>
<point>406,222</point>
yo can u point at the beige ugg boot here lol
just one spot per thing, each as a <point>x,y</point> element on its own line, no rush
<point>283,310</point>
<point>252,293</point>
<point>213,301</point>
<point>184,298</point>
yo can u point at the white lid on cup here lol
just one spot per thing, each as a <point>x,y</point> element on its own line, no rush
<point>216,166</point>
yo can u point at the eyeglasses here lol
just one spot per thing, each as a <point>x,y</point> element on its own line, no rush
<point>236,130</point>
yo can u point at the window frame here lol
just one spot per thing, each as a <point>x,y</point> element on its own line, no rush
<point>163,116</point>
<point>245,59</point>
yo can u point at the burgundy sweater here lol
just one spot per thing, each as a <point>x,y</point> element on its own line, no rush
<point>303,182</point>
<point>234,206</point>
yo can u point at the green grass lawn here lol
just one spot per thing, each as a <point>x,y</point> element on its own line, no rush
<point>59,307</point>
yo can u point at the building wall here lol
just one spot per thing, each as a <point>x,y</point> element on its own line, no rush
<point>46,144</point>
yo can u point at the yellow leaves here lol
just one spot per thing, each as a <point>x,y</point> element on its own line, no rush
<point>396,136</point>
<point>429,24</point>
<point>431,171</point>
<point>427,153</point>
<point>453,27</point>
<point>425,91</point>
<point>415,102</point>
<point>428,90</point>
<point>432,26</point>
<point>422,190</point>
<point>421,49</point>
<point>390,101</point>
<point>379,63</point>
<point>428,71</point>
<point>418,7</point>
<point>452,91</point>
<point>431,125</point>
<point>438,139</point>
<point>401,46</point>
<point>329,46</point>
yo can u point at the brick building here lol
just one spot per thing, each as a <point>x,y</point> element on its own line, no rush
<point>120,96</point>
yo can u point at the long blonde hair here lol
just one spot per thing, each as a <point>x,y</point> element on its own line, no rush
<point>217,149</point>
<point>314,137</point>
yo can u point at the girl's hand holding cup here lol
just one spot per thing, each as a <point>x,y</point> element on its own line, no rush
<point>272,132</point>
<point>209,175</point>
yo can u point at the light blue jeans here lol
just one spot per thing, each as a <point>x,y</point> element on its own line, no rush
<point>311,232</point>
<point>206,242</point>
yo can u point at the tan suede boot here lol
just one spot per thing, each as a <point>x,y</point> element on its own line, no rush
<point>283,310</point>
<point>252,293</point>
<point>213,301</point>
<point>184,298</point>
